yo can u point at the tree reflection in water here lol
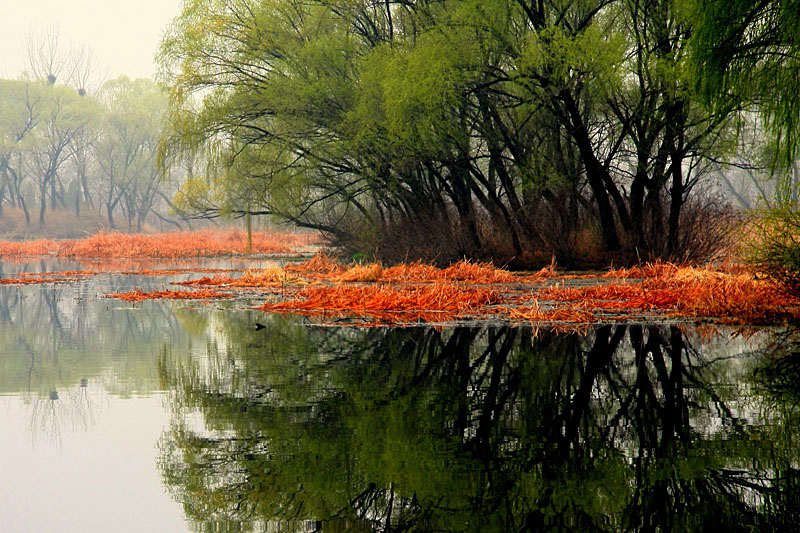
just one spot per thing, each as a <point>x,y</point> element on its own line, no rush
<point>465,429</point>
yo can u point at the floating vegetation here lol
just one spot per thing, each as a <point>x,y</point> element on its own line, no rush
<point>447,301</point>
<point>32,280</point>
<point>363,273</point>
<point>689,292</point>
<point>321,263</point>
<point>138,296</point>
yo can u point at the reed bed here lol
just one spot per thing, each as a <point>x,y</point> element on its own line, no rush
<point>321,263</point>
<point>34,280</point>
<point>270,276</point>
<point>138,296</point>
<point>361,273</point>
<point>183,244</point>
<point>689,292</point>
<point>439,297</point>
<point>423,292</point>
<point>462,271</point>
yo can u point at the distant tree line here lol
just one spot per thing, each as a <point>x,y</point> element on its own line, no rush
<point>64,146</point>
<point>506,130</point>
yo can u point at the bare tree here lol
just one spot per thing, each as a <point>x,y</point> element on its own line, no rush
<point>43,54</point>
<point>83,71</point>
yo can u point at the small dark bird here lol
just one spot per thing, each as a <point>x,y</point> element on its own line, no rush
<point>259,326</point>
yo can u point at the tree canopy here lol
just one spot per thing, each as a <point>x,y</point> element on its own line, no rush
<point>62,148</point>
<point>505,130</point>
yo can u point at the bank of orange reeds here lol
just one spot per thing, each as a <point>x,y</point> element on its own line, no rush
<point>662,288</point>
<point>362,273</point>
<point>138,296</point>
<point>321,263</point>
<point>688,292</point>
<point>576,313</point>
<point>71,273</point>
<point>269,276</point>
<point>463,271</point>
<point>438,297</point>
<point>419,291</point>
<point>205,243</point>
<point>34,280</point>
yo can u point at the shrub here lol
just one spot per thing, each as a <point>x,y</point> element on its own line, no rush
<point>774,244</point>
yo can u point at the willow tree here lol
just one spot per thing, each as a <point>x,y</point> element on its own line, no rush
<point>133,120</point>
<point>750,50</point>
<point>502,125</point>
<point>20,112</point>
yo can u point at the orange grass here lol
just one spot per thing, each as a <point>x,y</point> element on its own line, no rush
<point>439,297</point>
<point>647,270</point>
<point>689,292</point>
<point>321,263</point>
<point>417,291</point>
<point>417,271</point>
<point>205,243</point>
<point>479,273</point>
<point>176,271</point>
<point>32,281</point>
<point>138,296</point>
<point>207,280</point>
<point>268,277</point>
<point>664,288</point>
<point>363,273</point>
<point>72,273</point>
<point>564,313</point>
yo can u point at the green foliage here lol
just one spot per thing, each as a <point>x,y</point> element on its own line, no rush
<point>749,52</point>
<point>346,114</point>
<point>775,243</point>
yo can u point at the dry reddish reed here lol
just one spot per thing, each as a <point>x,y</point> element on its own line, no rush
<point>138,296</point>
<point>688,292</point>
<point>363,273</point>
<point>321,263</point>
<point>205,243</point>
<point>32,281</point>
<point>439,297</point>
<point>419,291</point>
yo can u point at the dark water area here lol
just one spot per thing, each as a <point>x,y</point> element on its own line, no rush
<point>181,416</point>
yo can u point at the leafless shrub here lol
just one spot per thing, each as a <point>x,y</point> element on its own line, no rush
<point>707,227</point>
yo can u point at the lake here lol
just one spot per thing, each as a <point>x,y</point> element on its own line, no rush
<point>183,416</point>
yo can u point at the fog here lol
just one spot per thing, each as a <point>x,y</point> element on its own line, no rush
<point>122,35</point>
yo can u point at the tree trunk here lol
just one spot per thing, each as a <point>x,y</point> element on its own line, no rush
<point>42,202</point>
<point>249,225</point>
<point>595,173</point>
<point>676,203</point>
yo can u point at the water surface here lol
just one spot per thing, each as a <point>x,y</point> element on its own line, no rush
<point>181,416</point>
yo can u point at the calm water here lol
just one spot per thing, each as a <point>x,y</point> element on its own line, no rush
<point>181,416</point>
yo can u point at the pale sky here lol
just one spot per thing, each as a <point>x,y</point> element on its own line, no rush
<point>123,34</point>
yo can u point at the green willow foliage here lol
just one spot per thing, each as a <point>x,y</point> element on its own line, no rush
<point>497,129</point>
<point>750,50</point>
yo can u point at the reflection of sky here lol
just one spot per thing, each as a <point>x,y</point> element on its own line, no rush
<point>88,460</point>
<point>101,479</point>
